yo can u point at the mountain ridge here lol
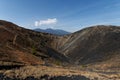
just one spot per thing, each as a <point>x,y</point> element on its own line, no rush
<point>94,45</point>
<point>52,31</point>
<point>98,45</point>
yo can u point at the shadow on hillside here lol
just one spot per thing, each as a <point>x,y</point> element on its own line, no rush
<point>74,77</point>
<point>7,67</point>
<point>46,77</point>
<point>55,54</point>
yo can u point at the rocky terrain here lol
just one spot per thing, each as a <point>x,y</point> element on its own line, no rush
<point>91,53</point>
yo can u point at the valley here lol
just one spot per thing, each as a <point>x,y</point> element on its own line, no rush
<point>92,53</point>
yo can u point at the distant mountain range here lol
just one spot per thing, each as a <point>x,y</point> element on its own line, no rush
<point>52,31</point>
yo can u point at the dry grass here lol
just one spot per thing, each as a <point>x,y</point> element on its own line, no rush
<point>38,71</point>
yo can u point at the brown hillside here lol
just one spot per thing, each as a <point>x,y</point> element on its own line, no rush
<point>19,45</point>
<point>98,45</point>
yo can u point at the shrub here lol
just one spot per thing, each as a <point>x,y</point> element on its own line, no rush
<point>57,62</point>
<point>34,50</point>
<point>83,66</point>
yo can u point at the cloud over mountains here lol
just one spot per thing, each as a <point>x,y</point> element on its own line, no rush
<point>46,22</point>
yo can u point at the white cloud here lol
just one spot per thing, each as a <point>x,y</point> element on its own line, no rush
<point>36,23</point>
<point>46,22</point>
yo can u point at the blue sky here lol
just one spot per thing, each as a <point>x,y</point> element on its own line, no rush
<point>69,15</point>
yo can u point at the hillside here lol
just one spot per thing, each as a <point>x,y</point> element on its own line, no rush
<point>23,46</point>
<point>91,45</point>
<point>94,45</point>
<point>93,52</point>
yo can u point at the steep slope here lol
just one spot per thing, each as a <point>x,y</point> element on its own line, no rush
<point>97,44</point>
<point>53,31</point>
<point>19,45</point>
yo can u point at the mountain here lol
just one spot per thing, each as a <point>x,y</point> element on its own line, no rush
<point>93,52</point>
<point>96,46</point>
<point>52,31</point>
<point>20,46</point>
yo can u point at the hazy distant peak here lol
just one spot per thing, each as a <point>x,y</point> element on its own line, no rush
<point>52,31</point>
